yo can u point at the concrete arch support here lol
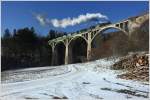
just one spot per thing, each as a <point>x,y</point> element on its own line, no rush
<point>66,52</point>
<point>89,47</point>
<point>53,54</point>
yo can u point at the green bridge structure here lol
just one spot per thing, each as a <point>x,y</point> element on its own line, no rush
<point>62,47</point>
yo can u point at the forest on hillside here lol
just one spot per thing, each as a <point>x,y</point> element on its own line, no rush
<point>24,48</point>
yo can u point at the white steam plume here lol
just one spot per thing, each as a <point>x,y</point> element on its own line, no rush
<point>63,23</point>
<point>41,19</point>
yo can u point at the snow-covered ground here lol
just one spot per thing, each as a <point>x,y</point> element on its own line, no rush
<point>86,81</point>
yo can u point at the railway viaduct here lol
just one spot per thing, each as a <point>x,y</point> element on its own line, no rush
<point>64,44</point>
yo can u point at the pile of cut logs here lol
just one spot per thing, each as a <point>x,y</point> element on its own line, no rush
<point>136,66</point>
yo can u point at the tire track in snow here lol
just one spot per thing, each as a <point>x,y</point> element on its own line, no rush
<point>11,88</point>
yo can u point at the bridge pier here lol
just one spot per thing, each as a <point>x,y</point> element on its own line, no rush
<point>66,52</point>
<point>89,47</point>
<point>53,56</point>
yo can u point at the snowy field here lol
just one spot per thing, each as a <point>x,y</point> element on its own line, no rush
<point>86,81</point>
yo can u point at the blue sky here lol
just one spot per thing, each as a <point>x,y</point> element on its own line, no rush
<point>19,14</point>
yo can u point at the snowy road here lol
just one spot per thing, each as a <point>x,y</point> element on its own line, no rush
<point>87,81</point>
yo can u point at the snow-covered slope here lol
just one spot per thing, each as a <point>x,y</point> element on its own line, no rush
<point>86,81</point>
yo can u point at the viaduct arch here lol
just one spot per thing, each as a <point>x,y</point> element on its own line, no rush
<point>113,43</point>
<point>59,53</point>
<point>110,27</point>
<point>77,49</point>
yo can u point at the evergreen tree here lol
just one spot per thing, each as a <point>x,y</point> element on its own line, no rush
<point>7,33</point>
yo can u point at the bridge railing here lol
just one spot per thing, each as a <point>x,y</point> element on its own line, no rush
<point>75,33</point>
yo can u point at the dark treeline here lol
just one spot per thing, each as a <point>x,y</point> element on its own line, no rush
<point>24,48</point>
